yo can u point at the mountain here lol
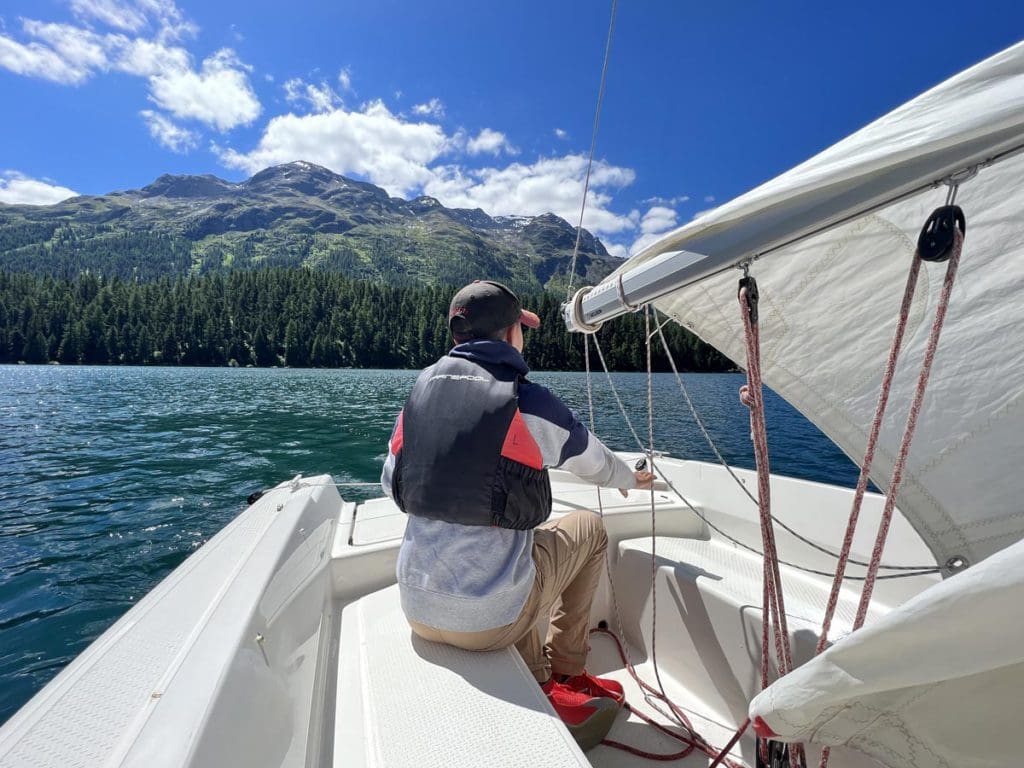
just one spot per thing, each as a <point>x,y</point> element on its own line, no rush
<point>298,214</point>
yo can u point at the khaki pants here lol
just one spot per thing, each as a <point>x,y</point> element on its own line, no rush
<point>568,555</point>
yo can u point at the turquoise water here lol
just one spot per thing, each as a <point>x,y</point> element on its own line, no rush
<point>111,477</point>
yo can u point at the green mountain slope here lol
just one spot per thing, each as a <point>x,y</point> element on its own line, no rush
<point>291,215</point>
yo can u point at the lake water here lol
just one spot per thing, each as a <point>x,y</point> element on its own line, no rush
<point>111,477</point>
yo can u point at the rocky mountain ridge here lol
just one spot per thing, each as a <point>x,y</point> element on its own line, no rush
<point>292,215</point>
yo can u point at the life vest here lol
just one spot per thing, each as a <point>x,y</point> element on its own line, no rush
<point>464,454</point>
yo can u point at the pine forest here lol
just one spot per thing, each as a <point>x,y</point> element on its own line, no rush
<point>283,317</point>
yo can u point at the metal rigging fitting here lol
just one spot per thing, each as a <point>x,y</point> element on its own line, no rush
<point>622,296</point>
<point>572,313</point>
<point>752,296</point>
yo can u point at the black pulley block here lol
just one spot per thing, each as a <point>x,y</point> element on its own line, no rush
<point>935,243</point>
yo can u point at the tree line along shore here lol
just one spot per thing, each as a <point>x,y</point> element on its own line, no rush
<point>284,317</point>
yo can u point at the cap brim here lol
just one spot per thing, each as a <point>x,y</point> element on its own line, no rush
<point>530,320</point>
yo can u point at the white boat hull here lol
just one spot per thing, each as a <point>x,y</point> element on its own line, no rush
<point>241,656</point>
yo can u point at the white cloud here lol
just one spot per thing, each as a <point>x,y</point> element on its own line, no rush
<point>34,59</point>
<point>168,19</point>
<point>147,58</point>
<point>80,48</point>
<point>670,202</point>
<point>709,198</point>
<point>17,188</point>
<point>162,16</point>
<point>561,134</point>
<point>83,52</point>
<point>490,141</point>
<point>548,185</point>
<point>371,142</point>
<point>658,221</point>
<point>169,134</point>
<point>219,95</point>
<point>618,250</point>
<point>345,79</point>
<point>402,156</point>
<point>320,98</point>
<point>111,12</point>
<point>433,108</point>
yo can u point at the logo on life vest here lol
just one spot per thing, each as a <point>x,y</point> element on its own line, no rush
<point>457,377</point>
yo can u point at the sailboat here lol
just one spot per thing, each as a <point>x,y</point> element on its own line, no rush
<point>281,641</point>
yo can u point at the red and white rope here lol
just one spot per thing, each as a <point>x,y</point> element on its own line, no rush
<point>904,450</point>
<point>773,602</point>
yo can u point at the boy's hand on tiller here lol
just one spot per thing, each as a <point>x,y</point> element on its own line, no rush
<point>644,480</point>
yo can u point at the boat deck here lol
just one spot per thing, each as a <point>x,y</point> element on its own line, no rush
<point>708,594</point>
<point>249,647</point>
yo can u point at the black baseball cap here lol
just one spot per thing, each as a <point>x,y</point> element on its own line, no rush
<point>483,307</point>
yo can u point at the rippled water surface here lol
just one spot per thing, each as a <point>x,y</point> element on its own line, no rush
<point>111,477</point>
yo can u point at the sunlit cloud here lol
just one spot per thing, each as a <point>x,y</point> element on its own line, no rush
<point>17,188</point>
<point>433,108</point>
<point>123,16</point>
<point>168,134</point>
<point>655,224</point>
<point>491,142</point>
<point>345,79</point>
<point>317,97</point>
<point>142,39</point>
<point>548,185</point>
<point>371,142</point>
<point>219,94</point>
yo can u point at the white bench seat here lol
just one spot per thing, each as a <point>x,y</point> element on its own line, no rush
<point>403,701</point>
<point>709,615</point>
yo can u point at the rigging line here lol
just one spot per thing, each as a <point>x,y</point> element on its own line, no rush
<point>694,739</point>
<point>741,484</point>
<point>908,431</point>
<point>773,605</point>
<point>654,530</point>
<point>872,441</point>
<point>712,526</point>
<point>593,145</point>
<point>908,435</point>
<point>600,503</point>
<point>611,385</point>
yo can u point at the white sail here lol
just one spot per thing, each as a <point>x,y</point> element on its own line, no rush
<point>829,301</point>
<point>936,683</point>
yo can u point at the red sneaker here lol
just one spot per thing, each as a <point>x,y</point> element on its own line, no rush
<point>605,687</point>
<point>588,718</point>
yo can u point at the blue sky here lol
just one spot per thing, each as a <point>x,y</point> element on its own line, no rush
<point>479,104</point>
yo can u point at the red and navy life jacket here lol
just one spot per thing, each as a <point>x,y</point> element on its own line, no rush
<point>463,453</point>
